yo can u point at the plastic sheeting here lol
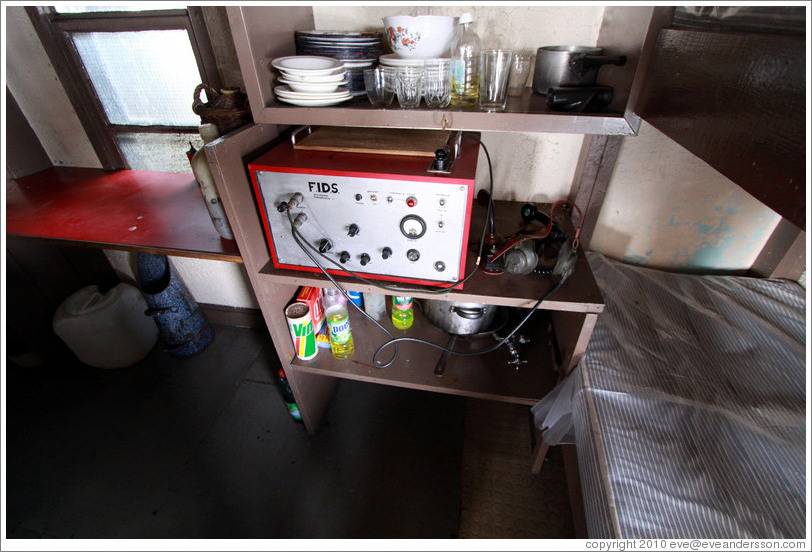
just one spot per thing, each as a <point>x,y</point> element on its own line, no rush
<point>688,409</point>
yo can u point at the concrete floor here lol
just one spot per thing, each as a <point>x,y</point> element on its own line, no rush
<point>204,448</point>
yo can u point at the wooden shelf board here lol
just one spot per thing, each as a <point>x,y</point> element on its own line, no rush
<point>580,293</point>
<point>481,376</point>
<point>526,113</point>
<point>141,211</point>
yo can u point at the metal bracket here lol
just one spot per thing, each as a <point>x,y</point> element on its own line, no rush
<point>453,145</point>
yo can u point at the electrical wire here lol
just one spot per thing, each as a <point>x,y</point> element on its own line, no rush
<point>403,290</point>
<point>393,341</point>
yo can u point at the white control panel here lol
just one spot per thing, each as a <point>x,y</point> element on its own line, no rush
<point>402,229</point>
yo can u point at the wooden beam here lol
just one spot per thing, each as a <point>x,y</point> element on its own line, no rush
<point>597,163</point>
<point>784,254</point>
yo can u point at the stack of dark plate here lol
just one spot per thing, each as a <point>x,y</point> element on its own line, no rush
<point>356,50</point>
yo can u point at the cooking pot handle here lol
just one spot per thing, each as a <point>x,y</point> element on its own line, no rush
<point>470,313</point>
<point>581,63</point>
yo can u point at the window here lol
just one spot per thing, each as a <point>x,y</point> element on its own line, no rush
<point>131,76</point>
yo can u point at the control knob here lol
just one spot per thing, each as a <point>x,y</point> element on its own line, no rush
<point>325,245</point>
<point>364,259</point>
<point>344,257</point>
<point>386,253</point>
<point>353,230</point>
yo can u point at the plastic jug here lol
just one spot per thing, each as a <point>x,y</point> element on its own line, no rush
<point>106,330</point>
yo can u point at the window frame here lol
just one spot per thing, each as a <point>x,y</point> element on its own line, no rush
<point>53,28</point>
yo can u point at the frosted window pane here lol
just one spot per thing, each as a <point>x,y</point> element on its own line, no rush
<point>158,152</point>
<point>143,77</point>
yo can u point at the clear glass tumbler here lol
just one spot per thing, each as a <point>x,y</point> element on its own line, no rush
<point>437,83</point>
<point>380,86</point>
<point>410,83</point>
<point>519,72</point>
<point>494,72</point>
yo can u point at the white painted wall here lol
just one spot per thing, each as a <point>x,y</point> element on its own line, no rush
<point>664,207</point>
<point>42,99</point>
<point>34,84</point>
<point>539,167</point>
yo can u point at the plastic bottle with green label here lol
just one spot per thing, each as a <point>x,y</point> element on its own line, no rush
<point>338,323</point>
<point>402,312</point>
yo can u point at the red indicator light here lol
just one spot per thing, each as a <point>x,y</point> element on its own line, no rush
<point>411,202</point>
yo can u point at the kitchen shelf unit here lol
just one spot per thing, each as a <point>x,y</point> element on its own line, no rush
<point>262,34</point>
<point>572,311</point>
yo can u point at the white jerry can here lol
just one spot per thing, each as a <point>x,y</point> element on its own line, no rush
<point>106,330</point>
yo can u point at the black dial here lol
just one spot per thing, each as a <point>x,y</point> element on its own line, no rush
<point>325,245</point>
<point>386,253</point>
<point>344,257</point>
<point>353,230</point>
<point>412,226</point>
<point>364,259</point>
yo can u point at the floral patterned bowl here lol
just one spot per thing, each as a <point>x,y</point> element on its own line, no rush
<point>419,37</point>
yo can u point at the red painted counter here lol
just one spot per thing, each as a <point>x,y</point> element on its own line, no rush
<point>142,211</point>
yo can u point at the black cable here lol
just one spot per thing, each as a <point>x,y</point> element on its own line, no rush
<point>296,236</point>
<point>397,340</point>
<point>393,341</point>
<point>406,291</point>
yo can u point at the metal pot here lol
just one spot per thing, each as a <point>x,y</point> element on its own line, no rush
<point>569,66</point>
<point>460,318</point>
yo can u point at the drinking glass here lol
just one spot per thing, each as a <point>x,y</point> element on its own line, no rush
<point>494,70</point>
<point>437,83</point>
<point>380,86</point>
<point>410,81</point>
<point>519,72</point>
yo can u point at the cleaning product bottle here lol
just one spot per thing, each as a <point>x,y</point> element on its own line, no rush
<point>287,396</point>
<point>202,171</point>
<point>402,312</point>
<point>338,323</point>
<point>465,64</point>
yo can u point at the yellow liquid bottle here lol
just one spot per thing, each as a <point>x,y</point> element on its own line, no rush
<point>402,312</point>
<point>338,323</point>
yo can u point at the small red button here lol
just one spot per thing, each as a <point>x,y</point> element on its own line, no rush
<point>411,202</point>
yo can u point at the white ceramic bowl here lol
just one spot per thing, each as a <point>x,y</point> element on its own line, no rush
<point>307,65</point>
<point>421,36</point>
<point>299,86</point>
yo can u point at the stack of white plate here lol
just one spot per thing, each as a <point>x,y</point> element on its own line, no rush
<point>391,60</point>
<point>311,81</point>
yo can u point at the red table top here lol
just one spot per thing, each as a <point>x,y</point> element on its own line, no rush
<point>144,211</point>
